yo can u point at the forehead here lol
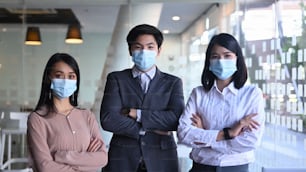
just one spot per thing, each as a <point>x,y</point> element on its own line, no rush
<point>62,67</point>
<point>218,49</point>
<point>145,39</point>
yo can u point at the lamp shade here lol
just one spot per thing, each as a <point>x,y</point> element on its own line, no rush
<point>74,35</point>
<point>33,36</point>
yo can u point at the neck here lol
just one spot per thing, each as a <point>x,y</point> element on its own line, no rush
<point>62,106</point>
<point>221,84</point>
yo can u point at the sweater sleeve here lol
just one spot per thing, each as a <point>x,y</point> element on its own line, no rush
<point>86,161</point>
<point>39,149</point>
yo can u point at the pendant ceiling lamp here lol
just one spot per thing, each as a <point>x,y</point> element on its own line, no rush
<point>74,35</point>
<point>33,36</point>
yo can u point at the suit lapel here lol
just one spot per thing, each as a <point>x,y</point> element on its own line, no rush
<point>156,81</point>
<point>134,83</point>
<point>154,84</point>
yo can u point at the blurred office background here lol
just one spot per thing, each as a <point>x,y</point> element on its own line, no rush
<point>271,32</point>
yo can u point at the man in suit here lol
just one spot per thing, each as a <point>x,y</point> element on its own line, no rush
<point>141,106</point>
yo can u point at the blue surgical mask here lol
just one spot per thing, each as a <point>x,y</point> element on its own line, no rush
<point>144,59</point>
<point>223,68</point>
<point>63,88</point>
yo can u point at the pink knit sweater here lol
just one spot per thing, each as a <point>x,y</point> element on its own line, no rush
<point>58,143</point>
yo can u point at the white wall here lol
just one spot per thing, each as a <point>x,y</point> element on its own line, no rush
<point>22,66</point>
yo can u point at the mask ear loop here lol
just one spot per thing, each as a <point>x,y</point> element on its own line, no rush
<point>50,95</point>
<point>72,98</point>
<point>50,90</point>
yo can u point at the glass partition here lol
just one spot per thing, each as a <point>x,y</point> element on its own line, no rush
<point>275,51</point>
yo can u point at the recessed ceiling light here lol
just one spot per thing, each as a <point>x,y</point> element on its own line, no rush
<point>176,18</point>
<point>166,31</point>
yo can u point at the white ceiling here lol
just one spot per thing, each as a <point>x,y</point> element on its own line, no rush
<point>101,15</point>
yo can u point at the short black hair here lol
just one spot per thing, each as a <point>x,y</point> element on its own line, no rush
<point>229,42</point>
<point>143,29</point>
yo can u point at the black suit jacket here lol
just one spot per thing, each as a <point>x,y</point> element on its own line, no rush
<point>161,108</point>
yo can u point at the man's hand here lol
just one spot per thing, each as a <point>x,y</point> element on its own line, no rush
<point>133,113</point>
<point>129,112</point>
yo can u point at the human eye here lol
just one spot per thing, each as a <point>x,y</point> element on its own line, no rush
<point>214,56</point>
<point>136,47</point>
<point>229,56</point>
<point>151,47</point>
<point>72,76</point>
<point>59,76</point>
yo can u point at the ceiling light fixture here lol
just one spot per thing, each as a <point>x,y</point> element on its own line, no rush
<point>176,18</point>
<point>33,36</point>
<point>74,35</point>
<point>166,31</point>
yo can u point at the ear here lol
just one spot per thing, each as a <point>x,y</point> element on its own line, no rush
<point>49,77</point>
<point>158,51</point>
<point>130,51</point>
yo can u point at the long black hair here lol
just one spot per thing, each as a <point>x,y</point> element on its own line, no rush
<point>229,42</point>
<point>46,97</point>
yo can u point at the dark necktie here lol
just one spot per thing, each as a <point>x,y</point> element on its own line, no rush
<point>143,82</point>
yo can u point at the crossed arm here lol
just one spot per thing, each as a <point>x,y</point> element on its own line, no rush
<point>246,123</point>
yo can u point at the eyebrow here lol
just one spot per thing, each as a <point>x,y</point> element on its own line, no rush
<point>59,71</point>
<point>225,52</point>
<point>228,52</point>
<point>150,43</point>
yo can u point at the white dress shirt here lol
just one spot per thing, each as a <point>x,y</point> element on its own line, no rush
<point>219,110</point>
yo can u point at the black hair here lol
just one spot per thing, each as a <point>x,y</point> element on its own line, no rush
<point>142,30</point>
<point>229,42</point>
<point>46,96</point>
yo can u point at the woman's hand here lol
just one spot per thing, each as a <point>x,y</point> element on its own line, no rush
<point>197,121</point>
<point>94,145</point>
<point>246,123</point>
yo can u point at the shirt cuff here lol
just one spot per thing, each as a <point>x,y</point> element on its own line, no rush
<point>138,115</point>
<point>142,132</point>
<point>207,140</point>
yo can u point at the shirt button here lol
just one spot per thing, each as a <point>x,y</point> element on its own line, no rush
<point>143,143</point>
<point>73,132</point>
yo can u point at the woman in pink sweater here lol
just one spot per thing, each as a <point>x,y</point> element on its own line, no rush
<point>62,137</point>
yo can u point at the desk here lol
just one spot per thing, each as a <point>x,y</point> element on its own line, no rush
<point>283,169</point>
<point>9,132</point>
